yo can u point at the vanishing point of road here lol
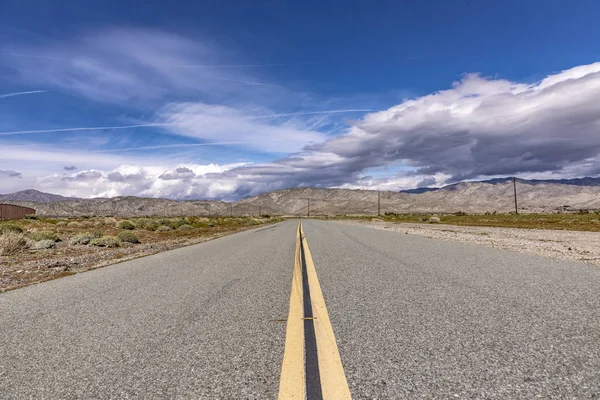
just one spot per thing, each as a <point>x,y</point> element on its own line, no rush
<point>313,310</point>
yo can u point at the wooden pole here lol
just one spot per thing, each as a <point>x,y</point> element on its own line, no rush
<point>515,190</point>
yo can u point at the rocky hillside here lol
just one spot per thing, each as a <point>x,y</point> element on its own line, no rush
<point>471,197</point>
<point>33,196</point>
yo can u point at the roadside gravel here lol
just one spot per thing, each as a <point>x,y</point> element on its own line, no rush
<point>558,244</point>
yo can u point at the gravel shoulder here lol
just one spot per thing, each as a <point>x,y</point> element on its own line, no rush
<point>558,244</point>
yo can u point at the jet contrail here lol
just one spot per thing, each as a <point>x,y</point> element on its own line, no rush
<point>169,146</point>
<point>232,66</point>
<point>106,128</point>
<point>33,56</point>
<point>243,82</point>
<point>4,96</point>
<point>98,128</point>
<point>311,113</point>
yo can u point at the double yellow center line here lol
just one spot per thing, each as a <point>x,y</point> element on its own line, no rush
<point>311,368</point>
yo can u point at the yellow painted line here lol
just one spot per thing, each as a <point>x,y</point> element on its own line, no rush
<point>291,384</point>
<point>333,380</point>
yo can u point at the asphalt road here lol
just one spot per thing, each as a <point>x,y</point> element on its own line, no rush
<point>413,318</point>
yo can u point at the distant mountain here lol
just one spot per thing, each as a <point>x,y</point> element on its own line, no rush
<point>471,197</point>
<point>34,196</point>
<point>587,181</point>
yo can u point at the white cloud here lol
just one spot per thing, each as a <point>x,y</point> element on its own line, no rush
<point>215,123</point>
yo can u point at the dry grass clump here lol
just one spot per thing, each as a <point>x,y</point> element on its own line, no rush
<point>106,241</point>
<point>61,223</point>
<point>163,228</point>
<point>12,242</point>
<point>14,228</point>
<point>44,235</point>
<point>81,239</point>
<point>44,244</point>
<point>127,237</point>
<point>110,221</point>
<point>186,227</point>
<point>74,224</point>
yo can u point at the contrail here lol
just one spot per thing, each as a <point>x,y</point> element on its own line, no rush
<point>311,113</point>
<point>169,146</point>
<point>4,96</point>
<point>33,56</point>
<point>106,128</point>
<point>244,82</point>
<point>232,66</point>
<point>98,128</point>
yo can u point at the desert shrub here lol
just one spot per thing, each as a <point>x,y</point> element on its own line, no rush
<point>43,244</point>
<point>61,223</point>
<point>151,226</point>
<point>434,220</point>
<point>176,224</point>
<point>106,241</point>
<point>44,235</point>
<point>12,242</point>
<point>73,224</point>
<point>128,237</point>
<point>460,213</point>
<point>163,228</point>
<point>97,234</point>
<point>186,227</point>
<point>86,224</point>
<point>583,212</point>
<point>30,216</point>
<point>110,221</point>
<point>127,225</point>
<point>81,239</point>
<point>13,228</point>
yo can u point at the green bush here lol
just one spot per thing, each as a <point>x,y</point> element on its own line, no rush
<point>127,225</point>
<point>106,241</point>
<point>44,244</point>
<point>164,228</point>
<point>151,226</point>
<point>128,237</point>
<point>30,216</point>
<point>83,238</point>
<point>460,213</point>
<point>44,235</point>
<point>13,228</point>
<point>164,221</point>
<point>178,223</point>
<point>186,227</point>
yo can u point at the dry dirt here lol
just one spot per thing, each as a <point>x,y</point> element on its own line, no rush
<point>559,244</point>
<point>31,266</point>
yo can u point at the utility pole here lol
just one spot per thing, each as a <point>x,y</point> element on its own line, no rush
<point>515,189</point>
<point>308,208</point>
<point>231,210</point>
<point>379,203</point>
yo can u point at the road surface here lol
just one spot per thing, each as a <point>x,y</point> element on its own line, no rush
<point>412,318</point>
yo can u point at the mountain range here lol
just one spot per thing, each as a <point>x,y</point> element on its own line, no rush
<point>472,197</point>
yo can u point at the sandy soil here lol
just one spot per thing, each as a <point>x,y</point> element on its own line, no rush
<point>564,245</point>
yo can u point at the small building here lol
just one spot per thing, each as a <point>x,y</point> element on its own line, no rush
<point>10,211</point>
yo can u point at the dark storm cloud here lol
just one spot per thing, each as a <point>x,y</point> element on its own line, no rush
<point>10,174</point>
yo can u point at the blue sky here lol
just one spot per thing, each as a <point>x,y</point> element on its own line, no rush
<point>229,99</point>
